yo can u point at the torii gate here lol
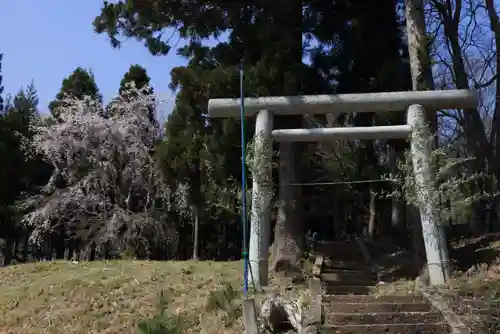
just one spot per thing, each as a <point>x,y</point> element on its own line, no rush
<point>413,101</point>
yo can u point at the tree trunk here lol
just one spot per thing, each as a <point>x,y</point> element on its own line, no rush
<point>372,215</point>
<point>16,248</point>
<point>289,232</point>
<point>417,240</point>
<point>92,251</point>
<point>26,247</point>
<point>397,221</point>
<point>196,230</point>
<point>60,246</point>
<point>71,251</point>
<point>337,220</point>
<point>418,47</point>
<point>495,132</point>
<point>7,251</point>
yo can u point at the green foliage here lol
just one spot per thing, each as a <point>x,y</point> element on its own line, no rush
<point>162,322</point>
<point>19,175</point>
<point>225,299</point>
<point>268,38</point>
<point>454,192</point>
<point>1,87</point>
<point>135,79</point>
<point>136,74</point>
<point>79,84</point>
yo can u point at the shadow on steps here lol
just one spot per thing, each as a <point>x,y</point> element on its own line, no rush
<point>349,306</point>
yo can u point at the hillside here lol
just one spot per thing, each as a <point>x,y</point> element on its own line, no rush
<point>111,297</point>
<point>115,296</point>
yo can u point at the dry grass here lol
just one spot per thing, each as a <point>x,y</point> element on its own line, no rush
<point>398,287</point>
<point>111,297</point>
<point>476,299</point>
<point>474,291</point>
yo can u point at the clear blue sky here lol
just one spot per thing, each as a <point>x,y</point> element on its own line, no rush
<point>45,41</point>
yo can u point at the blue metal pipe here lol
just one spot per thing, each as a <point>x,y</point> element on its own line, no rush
<point>243,186</point>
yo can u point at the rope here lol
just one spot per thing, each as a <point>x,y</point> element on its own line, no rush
<point>336,182</point>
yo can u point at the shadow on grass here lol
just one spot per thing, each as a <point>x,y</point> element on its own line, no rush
<point>395,263</point>
<point>472,251</point>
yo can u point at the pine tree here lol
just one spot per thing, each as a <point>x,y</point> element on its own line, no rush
<point>1,87</point>
<point>20,174</point>
<point>134,80</point>
<point>138,75</point>
<point>79,84</point>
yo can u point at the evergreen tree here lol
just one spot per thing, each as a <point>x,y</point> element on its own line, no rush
<point>20,175</point>
<point>79,84</point>
<point>1,87</point>
<point>267,37</point>
<point>138,75</point>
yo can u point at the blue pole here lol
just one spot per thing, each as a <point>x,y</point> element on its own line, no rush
<point>243,187</point>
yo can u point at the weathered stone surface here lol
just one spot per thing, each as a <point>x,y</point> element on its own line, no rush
<point>347,280</point>
<point>318,265</point>
<point>374,299</point>
<point>382,318</point>
<point>348,290</point>
<point>387,328</point>
<point>280,315</point>
<point>315,286</point>
<point>347,307</point>
<point>342,274</point>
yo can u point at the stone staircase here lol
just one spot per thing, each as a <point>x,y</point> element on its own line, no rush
<point>348,306</point>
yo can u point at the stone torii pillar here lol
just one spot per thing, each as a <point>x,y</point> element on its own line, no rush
<point>262,178</point>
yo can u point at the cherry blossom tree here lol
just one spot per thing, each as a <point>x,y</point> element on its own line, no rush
<point>105,183</point>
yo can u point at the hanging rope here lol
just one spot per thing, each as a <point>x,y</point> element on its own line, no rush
<point>337,182</point>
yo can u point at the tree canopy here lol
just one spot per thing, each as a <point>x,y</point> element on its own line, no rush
<point>79,84</point>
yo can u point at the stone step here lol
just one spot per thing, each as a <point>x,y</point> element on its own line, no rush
<point>382,318</point>
<point>329,266</point>
<point>332,289</point>
<point>351,282</point>
<point>341,274</point>
<point>355,280</point>
<point>357,257</point>
<point>340,250</point>
<point>419,328</point>
<point>399,299</point>
<point>347,307</point>
<point>341,247</point>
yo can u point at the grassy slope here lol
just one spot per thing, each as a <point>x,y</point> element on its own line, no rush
<point>110,297</point>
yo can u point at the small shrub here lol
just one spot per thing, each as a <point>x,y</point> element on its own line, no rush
<point>128,254</point>
<point>225,299</point>
<point>162,322</point>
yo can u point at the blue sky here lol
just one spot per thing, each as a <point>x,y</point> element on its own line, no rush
<point>45,41</point>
